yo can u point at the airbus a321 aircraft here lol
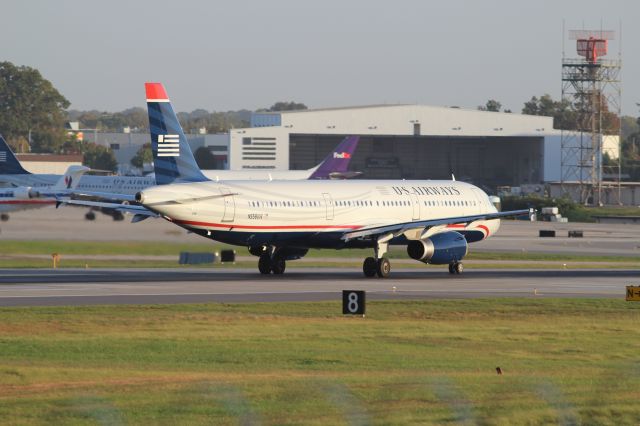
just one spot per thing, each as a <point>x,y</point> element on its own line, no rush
<point>282,220</point>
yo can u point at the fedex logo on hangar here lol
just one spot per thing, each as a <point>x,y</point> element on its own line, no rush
<point>341,155</point>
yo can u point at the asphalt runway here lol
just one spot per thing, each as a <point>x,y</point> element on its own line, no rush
<point>150,286</point>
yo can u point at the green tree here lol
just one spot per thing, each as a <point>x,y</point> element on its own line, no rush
<point>143,156</point>
<point>30,102</point>
<point>630,155</point>
<point>563,112</point>
<point>286,106</point>
<point>491,105</point>
<point>205,159</point>
<point>99,157</point>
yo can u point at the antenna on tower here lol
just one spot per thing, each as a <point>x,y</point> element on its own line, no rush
<point>591,86</point>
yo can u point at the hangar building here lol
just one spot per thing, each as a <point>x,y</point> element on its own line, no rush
<point>404,141</point>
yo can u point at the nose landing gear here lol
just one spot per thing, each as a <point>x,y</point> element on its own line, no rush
<point>456,268</point>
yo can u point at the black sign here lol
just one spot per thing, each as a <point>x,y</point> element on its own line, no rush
<point>353,302</point>
<point>227,256</point>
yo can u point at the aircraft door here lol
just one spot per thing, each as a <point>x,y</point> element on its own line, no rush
<point>480,199</point>
<point>229,205</point>
<point>328,203</point>
<point>415,203</point>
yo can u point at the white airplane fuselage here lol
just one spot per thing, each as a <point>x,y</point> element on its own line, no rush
<point>315,214</point>
<point>133,184</point>
<point>9,203</point>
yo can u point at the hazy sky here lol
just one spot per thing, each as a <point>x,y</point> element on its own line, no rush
<point>223,55</point>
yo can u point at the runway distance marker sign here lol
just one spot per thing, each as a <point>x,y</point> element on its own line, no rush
<point>353,302</point>
<point>633,293</point>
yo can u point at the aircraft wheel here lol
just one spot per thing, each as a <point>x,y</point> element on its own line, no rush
<point>278,266</point>
<point>458,268</point>
<point>4,217</point>
<point>264,264</point>
<point>451,270</point>
<point>370,267</point>
<point>383,267</point>
<point>90,216</point>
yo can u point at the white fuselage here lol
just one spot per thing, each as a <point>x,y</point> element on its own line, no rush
<point>265,175</point>
<point>132,184</point>
<point>254,213</point>
<point>10,203</point>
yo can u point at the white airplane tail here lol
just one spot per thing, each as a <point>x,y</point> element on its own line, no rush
<point>71,178</point>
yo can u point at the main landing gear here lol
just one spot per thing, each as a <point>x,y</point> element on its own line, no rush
<point>372,267</point>
<point>378,265</point>
<point>456,268</point>
<point>268,264</point>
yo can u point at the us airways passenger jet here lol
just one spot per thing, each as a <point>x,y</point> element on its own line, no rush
<point>282,220</point>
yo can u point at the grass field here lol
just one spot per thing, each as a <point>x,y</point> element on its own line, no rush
<point>421,362</point>
<point>104,254</point>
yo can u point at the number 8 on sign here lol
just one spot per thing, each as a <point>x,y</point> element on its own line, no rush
<point>353,302</point>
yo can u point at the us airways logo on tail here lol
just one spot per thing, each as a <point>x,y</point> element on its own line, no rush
<point>341,155</point>
<point>168,146</point>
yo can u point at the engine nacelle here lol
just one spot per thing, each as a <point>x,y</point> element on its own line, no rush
<point>439,249</point>
<point>25,193</point>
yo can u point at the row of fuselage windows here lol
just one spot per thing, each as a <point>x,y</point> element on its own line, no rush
<point>363,203</point>
<point>110,187</point>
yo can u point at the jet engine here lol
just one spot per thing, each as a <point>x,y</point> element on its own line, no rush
<point>439,249</point>
<point>25,193</point>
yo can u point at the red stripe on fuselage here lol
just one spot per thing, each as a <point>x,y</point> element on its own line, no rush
<point>27,202</point>
<point>233,225</point>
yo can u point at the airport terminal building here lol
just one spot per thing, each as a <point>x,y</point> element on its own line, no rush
<point>405,142</point>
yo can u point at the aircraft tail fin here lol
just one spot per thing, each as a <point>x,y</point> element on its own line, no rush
<point>71,178</point>
<point>9,164</point>
<point>337,162</point>
<point>173,160</point>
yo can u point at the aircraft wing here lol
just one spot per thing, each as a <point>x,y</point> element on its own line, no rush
<point>140,213</point>
<point>104,195</point>
<point>397,229</point>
